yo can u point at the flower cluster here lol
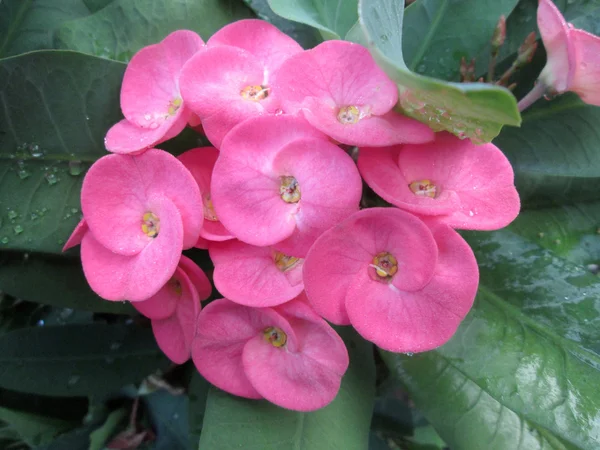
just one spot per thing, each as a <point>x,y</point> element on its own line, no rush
<point>276,202</point>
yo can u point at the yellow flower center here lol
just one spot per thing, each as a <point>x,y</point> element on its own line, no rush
<point>175,105</point>
<point>150,224</point>
<point>289,190</point>
<point>175,285</point>
<point>384,267</point>
<point>209,210</point>
<point>276,336</point>
<point>348,115</point>
<point>284,262</point>
<point>255,93</point>
<point>423,188</point>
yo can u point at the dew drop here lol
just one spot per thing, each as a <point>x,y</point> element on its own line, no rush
<point>35,151</point>
<point>40,323</point>
<point>34,216</point>
<point>115,346</point>
<point>73,380</point>
<point>12,214</point>
<point>51,178</point>
<point>23,173</point>
<point>18,229</point>
<point>4,240</point>
<point>421,68</point>
<point>75,168</point>
<point>409,354</point>
<point>74,210</point>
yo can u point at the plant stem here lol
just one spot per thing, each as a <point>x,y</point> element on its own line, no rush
<point>535,94</point>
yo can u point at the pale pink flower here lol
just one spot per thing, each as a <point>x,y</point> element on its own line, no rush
<point>573,58</point>
<point>467,186</point>
<point>255,276</point>
<point>340,90</point>
<point>141,212</point>
<point>200,162</point>
<point>150,98</point>
<point>403,284</point>
<point>287,354</point>
<point>174,309</point>
<point>280,182</point>
<point>232,79</point>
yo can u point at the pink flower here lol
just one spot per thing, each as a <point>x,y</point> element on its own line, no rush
<point>174,309</point>
<point>465,185</point>
<point>141,212</point>
<point>287,355</point>
<point>573,55</point>
<point>403,284</point>
<point>340,90</point>
<point>232,79</point>
<point>280,182</point>
<point>150,99</point>
<point>255,276</point>
<point>77,235</point>
<point>200,162</point>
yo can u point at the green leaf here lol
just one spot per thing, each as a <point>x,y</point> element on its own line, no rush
<point>57,107</point>
<point>474,110</point>
<point>306,36</point>
<point>523,369</point>
<point>96,5</point>
<point>198,394</point>
<point>27,25</point>
<point>556,152</point>
<point>333,18</point>
<point>77,360</point>
<point>569,231</point>
<point>234,422</point>
<point>124,26</point>
<point>169,414</point>
<point>53,281</point>
<point>32,428</point>
<point>100,435</point>
<point>433,36</point>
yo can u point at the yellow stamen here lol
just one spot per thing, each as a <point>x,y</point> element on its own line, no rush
<point>284,262</point>
<point>175,105</point>
<point>289,190</point>
<point>255,93</point>
<point>423,188</point>
<point>175,285</point>
<point>348,115</point>
<point>276,336</point>
<point>150,224</point>
<point>209,210</point>
<point>385,266</point>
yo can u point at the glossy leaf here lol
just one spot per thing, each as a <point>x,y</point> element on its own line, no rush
<point>523,369</point>
<point>77,360</point>
<point>27,25</point>
<point>333,18</point>
<point>305,35</point>
<point>232,422</point>
<point>473,110</point>
<point>56,281</point>
<point>555,152</point>
<point>120,29</point>
<point>433,35</point>
<point>57,108</point>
